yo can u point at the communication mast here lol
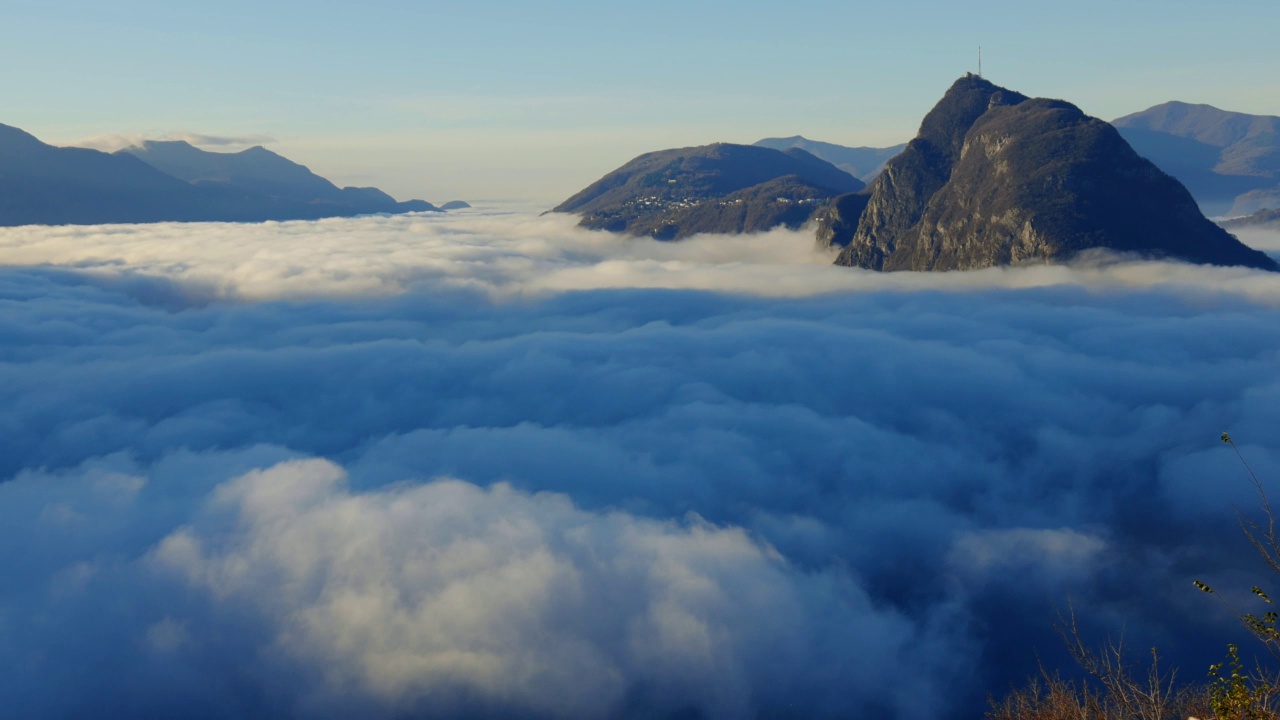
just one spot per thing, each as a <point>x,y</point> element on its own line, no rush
<point>979,61</point>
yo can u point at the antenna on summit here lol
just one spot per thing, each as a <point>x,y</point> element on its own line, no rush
<point>979,61</point>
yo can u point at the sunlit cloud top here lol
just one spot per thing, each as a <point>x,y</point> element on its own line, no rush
<point>511,254</point>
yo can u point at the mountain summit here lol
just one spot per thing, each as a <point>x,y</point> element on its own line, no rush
<point>997,178</point>
<point>720,188</point>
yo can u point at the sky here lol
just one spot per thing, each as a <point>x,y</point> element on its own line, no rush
<point>494,465</point>
<point>488,101</point>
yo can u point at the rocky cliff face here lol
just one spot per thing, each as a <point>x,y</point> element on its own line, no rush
<point>996,178</point>
<point>838,221</point>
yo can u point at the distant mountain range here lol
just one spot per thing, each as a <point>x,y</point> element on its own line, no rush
<point>1229,161</point>
<point>169,181</point>
<point>721,188</point>
<point>1265,219</point>
<point>997,178</point>
<point>864,163</point>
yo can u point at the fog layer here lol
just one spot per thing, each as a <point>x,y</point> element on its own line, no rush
<point>492,465</point>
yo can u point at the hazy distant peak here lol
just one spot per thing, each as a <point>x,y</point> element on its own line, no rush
<point>166,144</point>
<point>255,166</point>
<point>1229,160</point>
<point>183,148</point>
<point>1204,123</point>
<point>1175,106</point>
<point>804,143</point>
<point>170,147</point>
<point>1166,111</point>
<point>863,163</point>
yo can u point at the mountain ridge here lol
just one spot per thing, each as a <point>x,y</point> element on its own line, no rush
<point>719,188</point>
<point>259,170</point>
<point>41,184</point>
<point>864,163</point>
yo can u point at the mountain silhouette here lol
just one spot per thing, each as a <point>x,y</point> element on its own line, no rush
<point>45,185</point>
<point>261,172</point>
<point>720,188</point>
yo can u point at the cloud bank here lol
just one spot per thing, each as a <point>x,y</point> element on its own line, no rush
<point>505,255</point>
<point>221,143</point>
<point>494,465</point>
<point>419,599</point>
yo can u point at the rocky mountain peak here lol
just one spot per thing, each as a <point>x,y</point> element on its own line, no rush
<point>997,178</point>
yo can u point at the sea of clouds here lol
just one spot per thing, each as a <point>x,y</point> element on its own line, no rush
<point>488,464</point>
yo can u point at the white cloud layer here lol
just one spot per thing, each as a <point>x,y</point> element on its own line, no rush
<point>392,466</point>
<point>519,254</point>
<point>417,599</point>
<point>219,143</point>
<point>425,599</point>
<point>1264,239</point>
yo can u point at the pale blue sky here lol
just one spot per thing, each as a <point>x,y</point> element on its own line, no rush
<point>489,100</point>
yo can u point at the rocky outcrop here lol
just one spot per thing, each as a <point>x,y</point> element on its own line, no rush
<point>997,178</point>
